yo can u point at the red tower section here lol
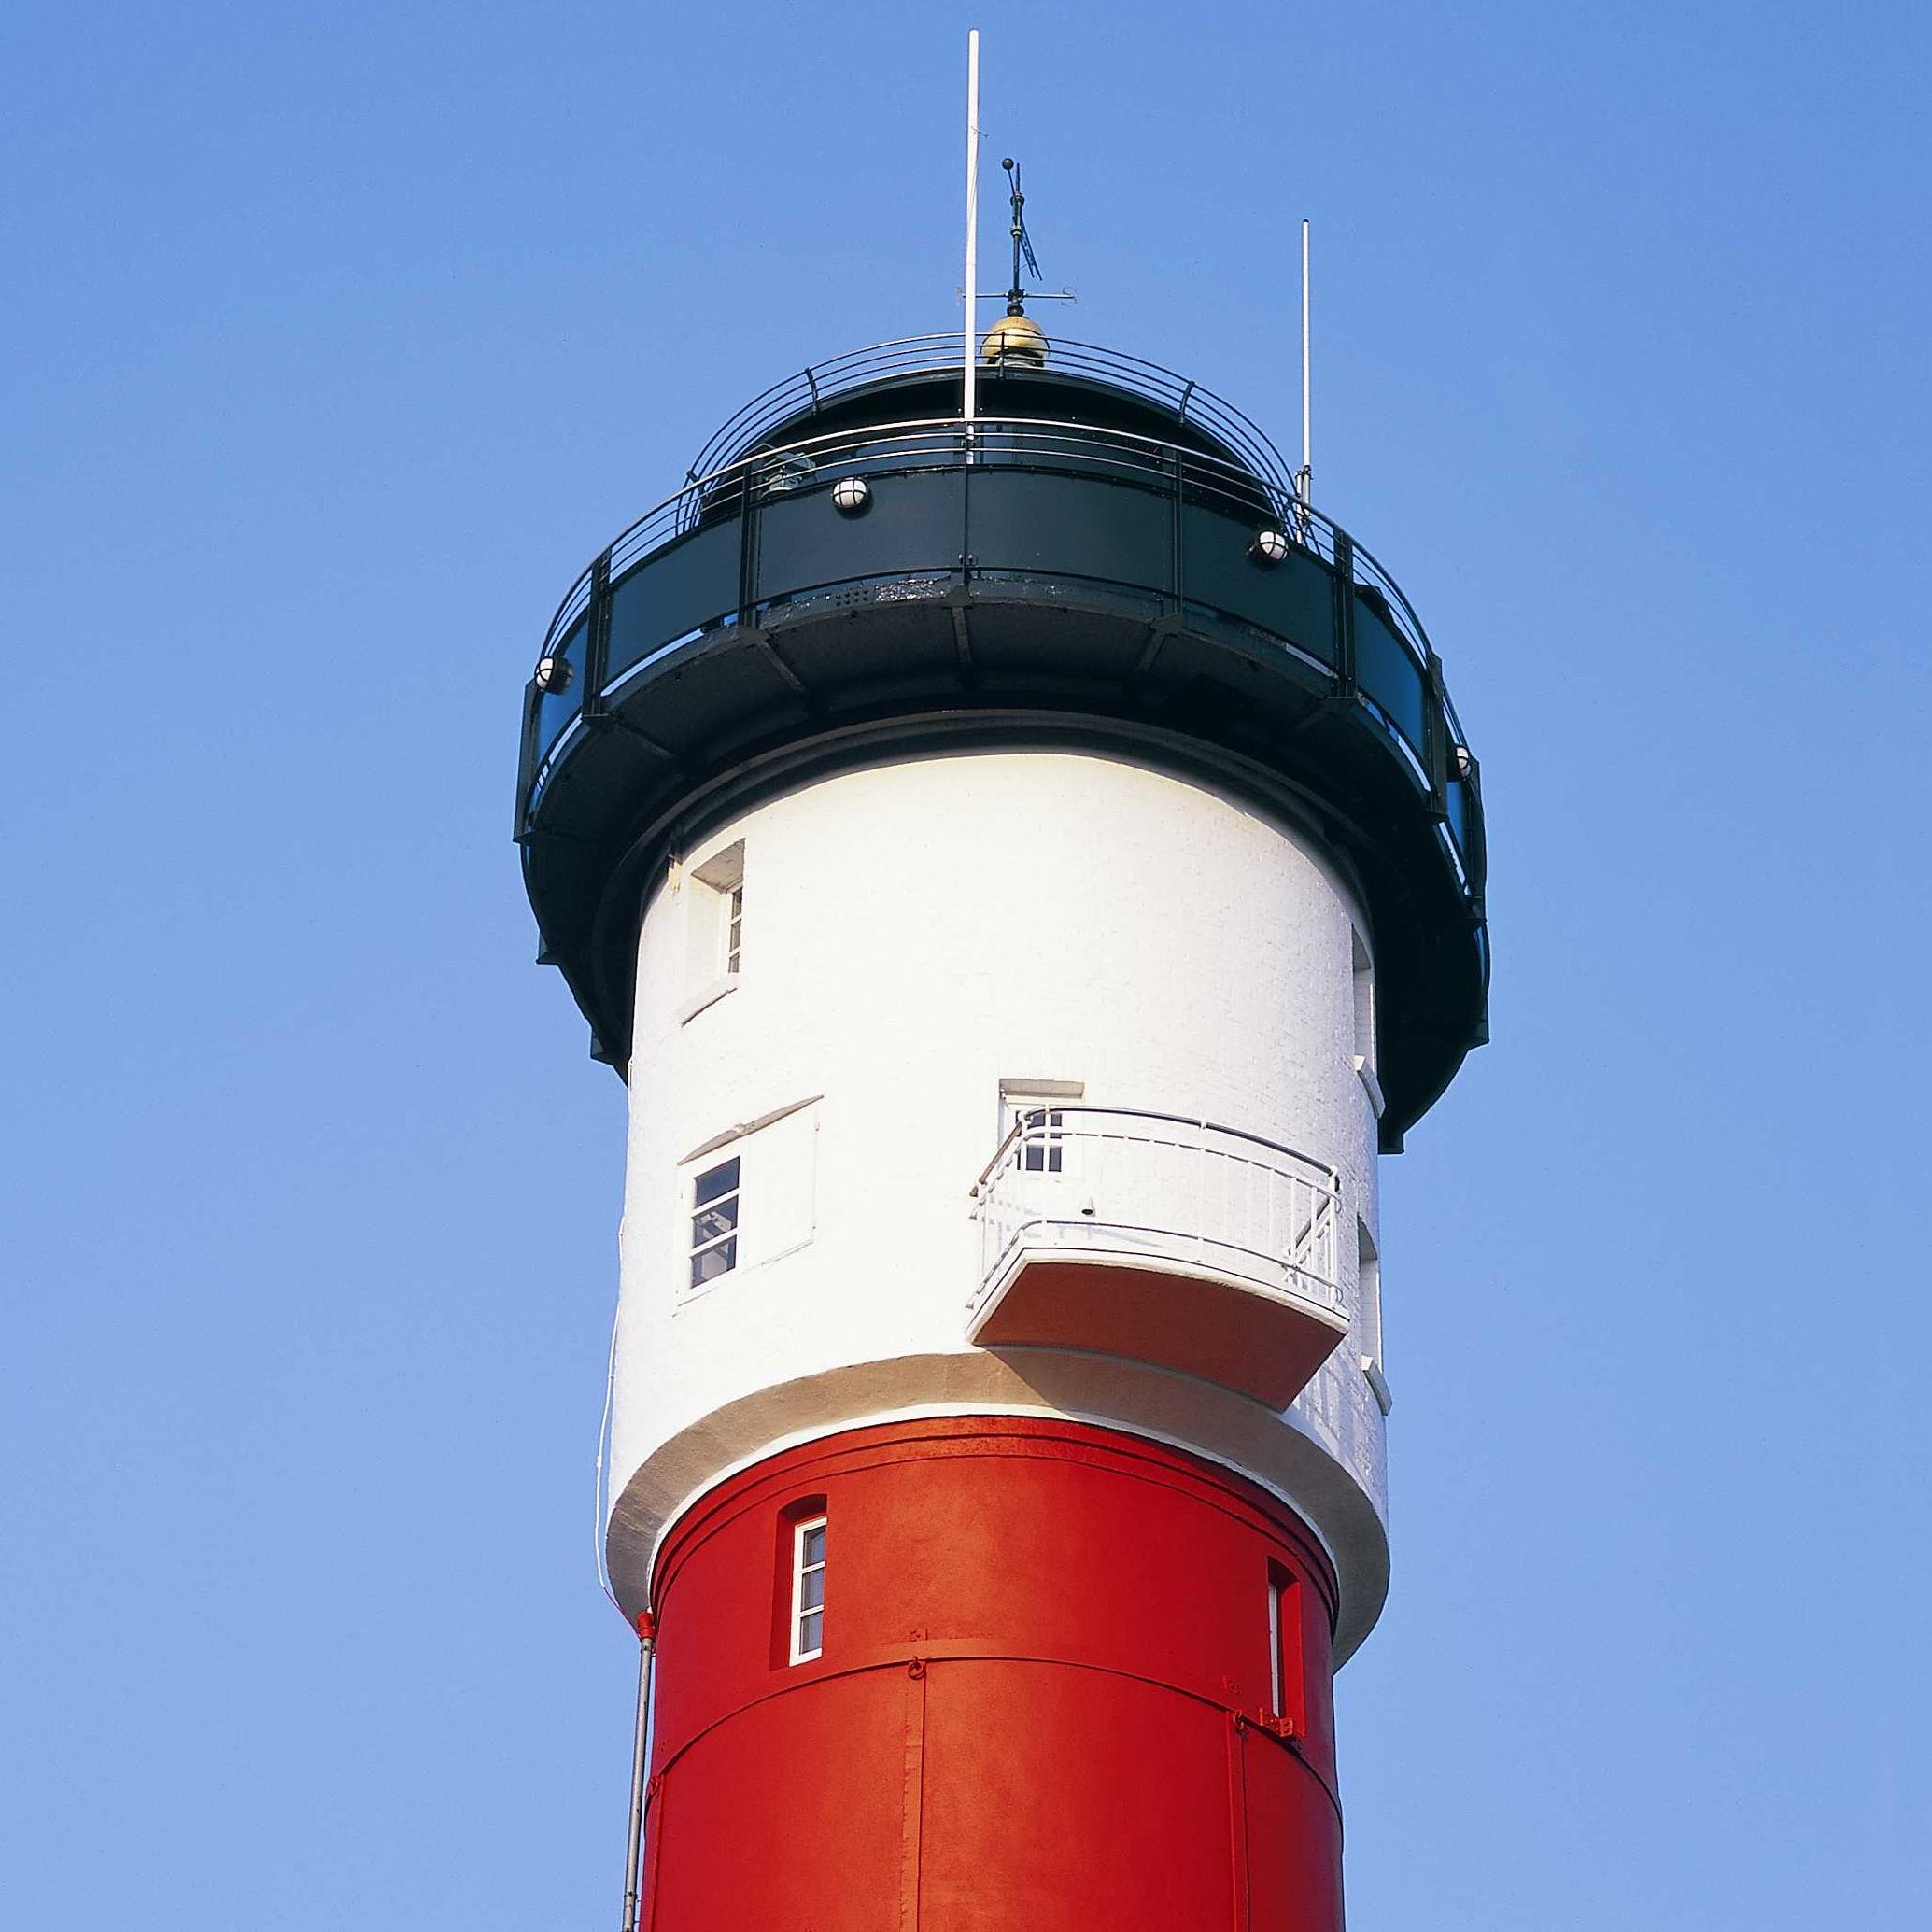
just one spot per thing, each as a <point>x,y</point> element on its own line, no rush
<point>1066,1678</point>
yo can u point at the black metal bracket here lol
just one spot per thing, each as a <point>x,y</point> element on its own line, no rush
<point>597,640</point>
<point>1344,608</point>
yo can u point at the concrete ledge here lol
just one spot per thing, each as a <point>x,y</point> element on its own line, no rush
<point>1276,1451</point>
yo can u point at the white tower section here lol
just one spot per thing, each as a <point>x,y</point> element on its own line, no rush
<point>846,998</point>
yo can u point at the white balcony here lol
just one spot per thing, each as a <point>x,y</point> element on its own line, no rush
<point>1166,1240</point>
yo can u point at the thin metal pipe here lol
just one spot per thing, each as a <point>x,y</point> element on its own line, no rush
<point>969,397</point>
<point>1307,457</point>
<point>1304,482</point>
<point>634,1843</point>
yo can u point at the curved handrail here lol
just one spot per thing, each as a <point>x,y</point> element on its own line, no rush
<point>1065,1107</point>
<point>939,354</point>
<point>1101,1153</point>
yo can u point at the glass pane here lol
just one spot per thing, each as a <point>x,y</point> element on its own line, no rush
<point>811,1630</point>
<point>1041,1150</point>
<point>715,1261</point>
<point>1387,673</point>
<point>814,1546</point>
<point>713,1223</point>
<point>719,1181</point>
<point>812,1589</point>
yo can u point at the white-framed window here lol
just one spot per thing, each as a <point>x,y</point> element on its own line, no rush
<point>770,1163</point>
<point>1368,1293</point>
<point>1042,1146</point>
<point>1284,1645</point>
<point>1273,1645</point>
<point>1368,1316</point>
<point>807,1589</point>
<point>1362,972</point>
<point>715,927</point>
<point>1038,1127</point>
<point>714,1198</point>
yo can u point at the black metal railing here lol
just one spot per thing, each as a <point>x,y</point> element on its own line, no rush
<point>946,442</point>
<point>1208,539</point>
<point>819,383</point>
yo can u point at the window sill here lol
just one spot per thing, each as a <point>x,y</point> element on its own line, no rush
<point>1378,1383</point>
<point>709,997</point>
<point>1366,1074</point>
<point>742,1272</point>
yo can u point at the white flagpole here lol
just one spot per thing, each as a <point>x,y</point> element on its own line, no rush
<point>1306,479</point>
<point>972,225</point>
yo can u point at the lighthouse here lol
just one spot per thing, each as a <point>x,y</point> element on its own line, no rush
<point>1023,861</point>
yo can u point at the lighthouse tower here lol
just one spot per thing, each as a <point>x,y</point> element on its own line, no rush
<point>1026,870</point>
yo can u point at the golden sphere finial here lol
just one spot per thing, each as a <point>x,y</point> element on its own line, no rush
<point>1017,340</point>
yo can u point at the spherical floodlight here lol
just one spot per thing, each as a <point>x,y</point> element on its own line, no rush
<point>553,675</point>
<point>851,496</point>
<point>1464,763</point>
<point>1269,549</point>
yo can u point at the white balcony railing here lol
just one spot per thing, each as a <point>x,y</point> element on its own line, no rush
<point>1158,1190</point>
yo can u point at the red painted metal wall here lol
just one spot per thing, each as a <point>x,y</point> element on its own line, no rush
<point>1044,1700</point>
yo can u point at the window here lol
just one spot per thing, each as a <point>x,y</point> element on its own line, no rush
<point>1040,1131</point>
<point>714,930</point>
<point>1364,973</point>
<point>1368,1316</point>
<point>807,1589</point>
<point>1368,1295</point>
<point>715,1222</point>
<point>1041,1147</point>
<point>774,1160</point>
<point>1273,1647</point>
<point>1363,1059</point>
<point>1284,1646</point>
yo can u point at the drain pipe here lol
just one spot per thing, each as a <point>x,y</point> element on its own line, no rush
<point>634,1874</point>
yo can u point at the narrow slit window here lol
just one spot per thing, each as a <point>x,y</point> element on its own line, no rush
<point>715,941</point>
<point>1365,989</point>
<point>808,1590</point>
<point>1284,1646</point>
<point>1273,1647</point>
<point>715,1222</point>
<point>1368,1294</point>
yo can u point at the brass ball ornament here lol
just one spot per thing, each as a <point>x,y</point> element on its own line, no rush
<point>1018,339</point>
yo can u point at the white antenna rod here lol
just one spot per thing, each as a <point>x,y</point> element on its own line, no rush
<point>1304,482</point>
<point>972,222</point>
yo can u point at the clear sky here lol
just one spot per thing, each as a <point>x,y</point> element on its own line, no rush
<point>338,338</point>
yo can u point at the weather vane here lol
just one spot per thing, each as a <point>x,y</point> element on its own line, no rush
<point>1022,242</point>
<point>1026,263</point>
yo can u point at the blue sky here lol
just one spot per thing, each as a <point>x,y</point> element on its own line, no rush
<point>339,338</point>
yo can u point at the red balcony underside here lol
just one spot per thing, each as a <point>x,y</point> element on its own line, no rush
<point>1254,1340</point>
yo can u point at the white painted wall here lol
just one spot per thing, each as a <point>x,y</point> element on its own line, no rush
<point>912,934</point>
